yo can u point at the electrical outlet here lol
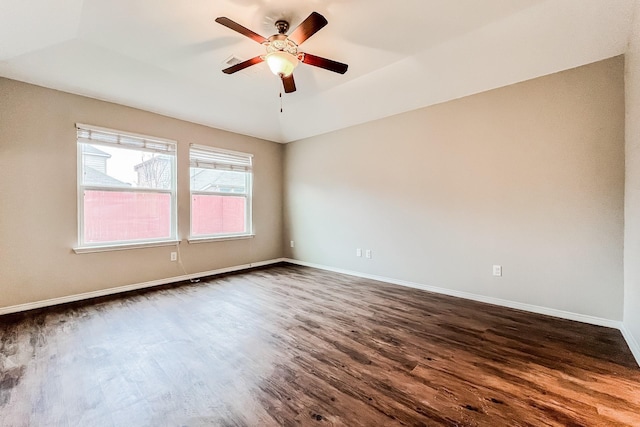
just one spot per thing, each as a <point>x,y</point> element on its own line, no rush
<point>367,253</point>
<point>497,270</point>
<point>292,244</point>
<point>358,252</point>
<point>174,256</point>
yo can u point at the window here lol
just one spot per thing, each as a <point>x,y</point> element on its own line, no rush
<point>220,192</point>
<point>126,188</point>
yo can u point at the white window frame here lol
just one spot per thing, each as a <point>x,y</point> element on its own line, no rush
<point>88,134</point>
<point>203,156</point>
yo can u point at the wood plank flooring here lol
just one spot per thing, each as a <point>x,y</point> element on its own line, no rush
<point>289,345</point>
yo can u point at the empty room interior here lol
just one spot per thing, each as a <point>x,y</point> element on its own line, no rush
<point>265,213</point>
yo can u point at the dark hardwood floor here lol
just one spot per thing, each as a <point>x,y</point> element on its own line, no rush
<point>290,345</point>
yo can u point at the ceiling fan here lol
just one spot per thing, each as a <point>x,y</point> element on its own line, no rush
<point>282,50</point>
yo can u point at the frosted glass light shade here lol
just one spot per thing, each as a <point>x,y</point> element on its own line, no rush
<point>282,63</point>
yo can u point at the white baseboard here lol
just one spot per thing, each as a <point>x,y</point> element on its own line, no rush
<point>466,295</point>
<point>634,346</point>
<point>133,287</point>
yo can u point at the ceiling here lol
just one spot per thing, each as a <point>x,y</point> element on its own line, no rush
<point>166,56</point>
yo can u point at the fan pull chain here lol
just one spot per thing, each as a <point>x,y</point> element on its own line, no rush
<point>281,101</point>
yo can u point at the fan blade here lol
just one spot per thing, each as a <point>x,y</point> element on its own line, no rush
<point>314,23</point>
<point>327,64</point>
<point>239,28</point>
<point>243,65</point>
<point>289,84</point>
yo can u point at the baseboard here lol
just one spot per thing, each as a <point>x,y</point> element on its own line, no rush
<point>633,344</point>
<point>466,295</point>
<point>133,287</point>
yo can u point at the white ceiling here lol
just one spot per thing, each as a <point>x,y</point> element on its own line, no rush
<point>166,56</point>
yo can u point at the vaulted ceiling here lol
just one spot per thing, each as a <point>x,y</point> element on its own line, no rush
<point>166,56</point>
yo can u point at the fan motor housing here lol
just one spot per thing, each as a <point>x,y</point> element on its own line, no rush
<point>280,42</point>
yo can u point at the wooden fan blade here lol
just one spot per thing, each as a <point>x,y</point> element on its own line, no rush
<point>243,65</point>
<point>289,84</point>
<point>314,23</point>
<point>240,29</point>
<point>327,64</point>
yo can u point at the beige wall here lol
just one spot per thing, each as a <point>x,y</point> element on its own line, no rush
<point>38,208</point>
<point>632,191</point>
<point>529,176</point>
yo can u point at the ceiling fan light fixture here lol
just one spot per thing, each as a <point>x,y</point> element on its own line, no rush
<point>282,63</point>
<point>282,50</point>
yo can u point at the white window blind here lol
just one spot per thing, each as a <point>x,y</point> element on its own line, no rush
<point>95,135</point>
<point>216,158</point>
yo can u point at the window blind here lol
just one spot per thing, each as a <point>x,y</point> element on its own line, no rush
<point>216,158</point>
<point>94,135</point>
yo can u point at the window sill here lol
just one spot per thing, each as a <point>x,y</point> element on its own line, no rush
<point>125,246</point>
<point>220,238</point>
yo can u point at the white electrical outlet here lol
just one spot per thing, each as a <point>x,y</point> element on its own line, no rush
<point>367,253</point>
<point>174,256</point>
<point>292,244</point>
<point>497,270</point>
<point>358,252</point>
